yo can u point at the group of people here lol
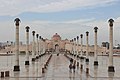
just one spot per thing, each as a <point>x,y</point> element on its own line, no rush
<point>72,65</point>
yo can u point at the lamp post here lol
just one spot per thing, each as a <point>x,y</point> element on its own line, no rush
<point>87,46</point>
<point>17,67</point>
<point>111,67</point>
<point>33,46</point>
<point>27,45</point>
<point>37,45</point>
<point>95,47</point>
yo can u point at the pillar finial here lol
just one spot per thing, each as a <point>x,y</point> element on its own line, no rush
<point>74,39</point>
<point>110,22</point>
<point>87,33</point>
<point>81,35</point>
<point>17,20</point>
<point>27,28</point>
<point>77,37</point>
<point>95,28</point>
<point>37,35</point>
<point>33,33</point>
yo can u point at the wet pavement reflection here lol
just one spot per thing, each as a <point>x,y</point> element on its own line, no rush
<point>57,69</point>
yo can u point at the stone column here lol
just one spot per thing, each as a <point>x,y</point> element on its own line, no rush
<point>81,57</point>
<point>48,47</point>
<point>27,45</point>
<point>41,45</point>
<point>95,47</point>
<point>81,46</point>
<point>87,50</point>
<point>74,47</point>
<point>87,47</point>
<point>77,45</point>
<point>111,67</point>
<point>44,46</point>
<point>71,46</point>
<point>33,46</point>
<point>37,46</point>
<point>17,67</point>
<point>95,72</point>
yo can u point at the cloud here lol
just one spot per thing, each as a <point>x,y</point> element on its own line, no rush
<point>15,7</point>
<point>76,21</point>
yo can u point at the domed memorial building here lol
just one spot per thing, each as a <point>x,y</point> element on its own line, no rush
<point>56,37</point>
<point>56,43</point>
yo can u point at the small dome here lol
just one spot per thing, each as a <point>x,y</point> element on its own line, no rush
<point>56,35</point>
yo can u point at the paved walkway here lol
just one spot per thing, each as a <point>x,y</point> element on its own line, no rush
<point>101,71</point>
<point>58,70</point>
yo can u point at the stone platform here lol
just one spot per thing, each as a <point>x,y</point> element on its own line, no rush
<point>58,69</point>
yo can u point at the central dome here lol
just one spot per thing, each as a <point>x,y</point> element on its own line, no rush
<point>56,37</point>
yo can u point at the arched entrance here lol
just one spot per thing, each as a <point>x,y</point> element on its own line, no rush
<point>56,48</point>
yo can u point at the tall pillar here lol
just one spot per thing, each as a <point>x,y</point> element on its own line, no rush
<point>71,46</point>
<point>87,50</point>
<point>44,46</point>
<point>81,46</point>
<point>111,67</point>
<point>17,67</point>
<point>41,45</point>
<point>33,46</point>
<point>74,47</point>
<point>48,46</point>
<point>77,45</point>
<point>27,45</point>
<point>37,46</point>
<point>87,47</point>
<point>95,47</point>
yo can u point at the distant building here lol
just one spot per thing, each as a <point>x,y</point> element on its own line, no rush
<point>56,43</point>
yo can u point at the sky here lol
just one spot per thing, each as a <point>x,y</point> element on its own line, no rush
<point>68,18</point>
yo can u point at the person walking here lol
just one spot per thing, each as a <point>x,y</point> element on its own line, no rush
<point>71,64</point>
<point>74,66</point>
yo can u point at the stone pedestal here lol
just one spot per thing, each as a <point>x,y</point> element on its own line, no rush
<point>16,68</point>
<point>37,57</point>
<point>95,63</point>
<point>7,73</point>
<point>33,59</point>
<point>111,69</point>
<point>87,70</point>
<point>26,62</point>
<point>87,60</point>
